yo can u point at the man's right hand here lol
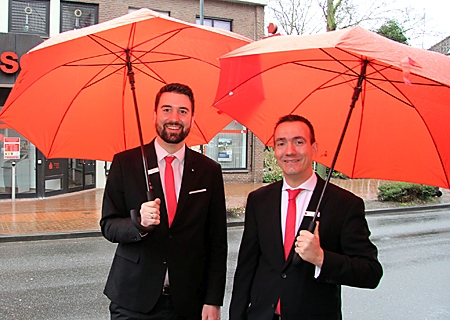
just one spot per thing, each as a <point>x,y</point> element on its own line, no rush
<point>150,213</point>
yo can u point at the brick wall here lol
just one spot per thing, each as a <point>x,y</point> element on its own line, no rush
<point>247,19</point>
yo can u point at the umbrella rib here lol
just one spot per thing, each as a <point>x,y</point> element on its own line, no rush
<point>155,75</point>
<point>201,131</point>
<point>117,54</point>
<point>179,57</point>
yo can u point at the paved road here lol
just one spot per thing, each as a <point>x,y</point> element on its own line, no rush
<point>64,279</point>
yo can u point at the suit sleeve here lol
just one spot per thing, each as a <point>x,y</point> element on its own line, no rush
<point>216,242</point>
<point>355,262</point>
<point>249,253</point>
<point>116,224</point>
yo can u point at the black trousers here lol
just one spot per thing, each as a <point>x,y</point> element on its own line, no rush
<point>163,310</point>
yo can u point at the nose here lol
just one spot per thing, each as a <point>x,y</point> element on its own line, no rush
<point>174,116</point>
<point>290,148</point>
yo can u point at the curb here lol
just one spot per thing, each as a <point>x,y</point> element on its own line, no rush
<point>231,224</point>
<point>409,209</point>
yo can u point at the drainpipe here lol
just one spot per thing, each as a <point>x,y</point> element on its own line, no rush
<point>201,11</point>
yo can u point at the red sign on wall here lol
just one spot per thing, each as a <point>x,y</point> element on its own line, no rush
<point>12,148</point>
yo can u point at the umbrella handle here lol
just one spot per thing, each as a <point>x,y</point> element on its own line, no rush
<point>296,260</point>
<point>136,219</point>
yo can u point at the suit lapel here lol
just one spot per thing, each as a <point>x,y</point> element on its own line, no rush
<point>312,206</point>
<point>273,205</point>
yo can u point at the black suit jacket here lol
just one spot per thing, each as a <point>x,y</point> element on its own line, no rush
<point>194,248</point>
<point>262,274</point>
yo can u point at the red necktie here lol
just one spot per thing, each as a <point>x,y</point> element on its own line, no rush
<point>289,234</point>
<point>169,182</point>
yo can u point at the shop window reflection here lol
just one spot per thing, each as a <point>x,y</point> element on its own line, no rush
<point>229,147</point>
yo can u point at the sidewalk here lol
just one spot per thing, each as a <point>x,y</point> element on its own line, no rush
<point>78,214</point>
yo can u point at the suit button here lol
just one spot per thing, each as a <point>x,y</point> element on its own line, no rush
<point>284,275</point>
<point>170,236</point>
<point>164,261</point>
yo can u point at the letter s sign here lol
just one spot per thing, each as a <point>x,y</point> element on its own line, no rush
<point>9,62</point>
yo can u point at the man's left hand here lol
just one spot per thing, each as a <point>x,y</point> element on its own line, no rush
<point>308,247</point>
<point>210,312</point>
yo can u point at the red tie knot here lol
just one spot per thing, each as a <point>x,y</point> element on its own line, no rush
<point>293,193</point>
<point>169,159</point>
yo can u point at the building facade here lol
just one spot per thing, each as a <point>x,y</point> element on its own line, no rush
<point>24,24</point>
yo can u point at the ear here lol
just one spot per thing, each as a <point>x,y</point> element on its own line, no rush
<point>315,147</point>
<point>154,117</point>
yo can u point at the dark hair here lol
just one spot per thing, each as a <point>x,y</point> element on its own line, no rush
<point>177,88</point>
<point>295,118</point>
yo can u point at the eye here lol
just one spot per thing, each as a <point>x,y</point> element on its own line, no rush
<point>183,112</point>
<point>165,110</point>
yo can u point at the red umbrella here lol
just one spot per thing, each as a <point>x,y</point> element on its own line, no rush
<point>72,98</point>
<point>399,96</point>
<point>396,127</point>
<point>85,93</point>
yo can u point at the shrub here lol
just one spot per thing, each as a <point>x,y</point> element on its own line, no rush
<point>272,172</point>
<point>235,212</point>
<point>406,192</point>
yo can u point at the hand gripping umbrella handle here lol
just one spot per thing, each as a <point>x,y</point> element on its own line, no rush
<point>296,260</point>
<point>136,219</point>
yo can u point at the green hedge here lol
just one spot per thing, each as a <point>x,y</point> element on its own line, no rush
<point>406,192</point>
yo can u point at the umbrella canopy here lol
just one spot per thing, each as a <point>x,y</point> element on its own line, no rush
<point>391,100</point>
<point>73,98</point>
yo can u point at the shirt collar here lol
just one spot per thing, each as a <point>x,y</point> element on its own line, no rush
<point>161,153</point>
<point>309,184</point>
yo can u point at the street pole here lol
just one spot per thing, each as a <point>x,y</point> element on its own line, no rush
<point>13,182</point>
<point>201,11</point>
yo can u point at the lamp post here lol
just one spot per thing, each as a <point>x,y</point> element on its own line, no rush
<point>201,11</point>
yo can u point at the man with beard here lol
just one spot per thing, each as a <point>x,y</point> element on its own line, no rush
<point>178,269</point>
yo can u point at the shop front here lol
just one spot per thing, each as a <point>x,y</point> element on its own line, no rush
<point>34,175</point>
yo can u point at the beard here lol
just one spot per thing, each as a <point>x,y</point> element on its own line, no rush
<point>173,137</point>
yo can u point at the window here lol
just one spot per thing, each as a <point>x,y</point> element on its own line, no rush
<point>75,15</point>
<point>229,147</point>
<point>4,93</point>
<point>224,24</point>
<point>30,17</point>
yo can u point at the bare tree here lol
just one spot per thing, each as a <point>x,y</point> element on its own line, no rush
<point>313,16</point>
<point>296,16</point>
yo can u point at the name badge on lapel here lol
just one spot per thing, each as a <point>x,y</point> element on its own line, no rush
<point>152,171</point>
<point>311,214</point>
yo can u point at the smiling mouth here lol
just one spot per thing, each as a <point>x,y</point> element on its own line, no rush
<point>291,161</point>
<point>172,126</point>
